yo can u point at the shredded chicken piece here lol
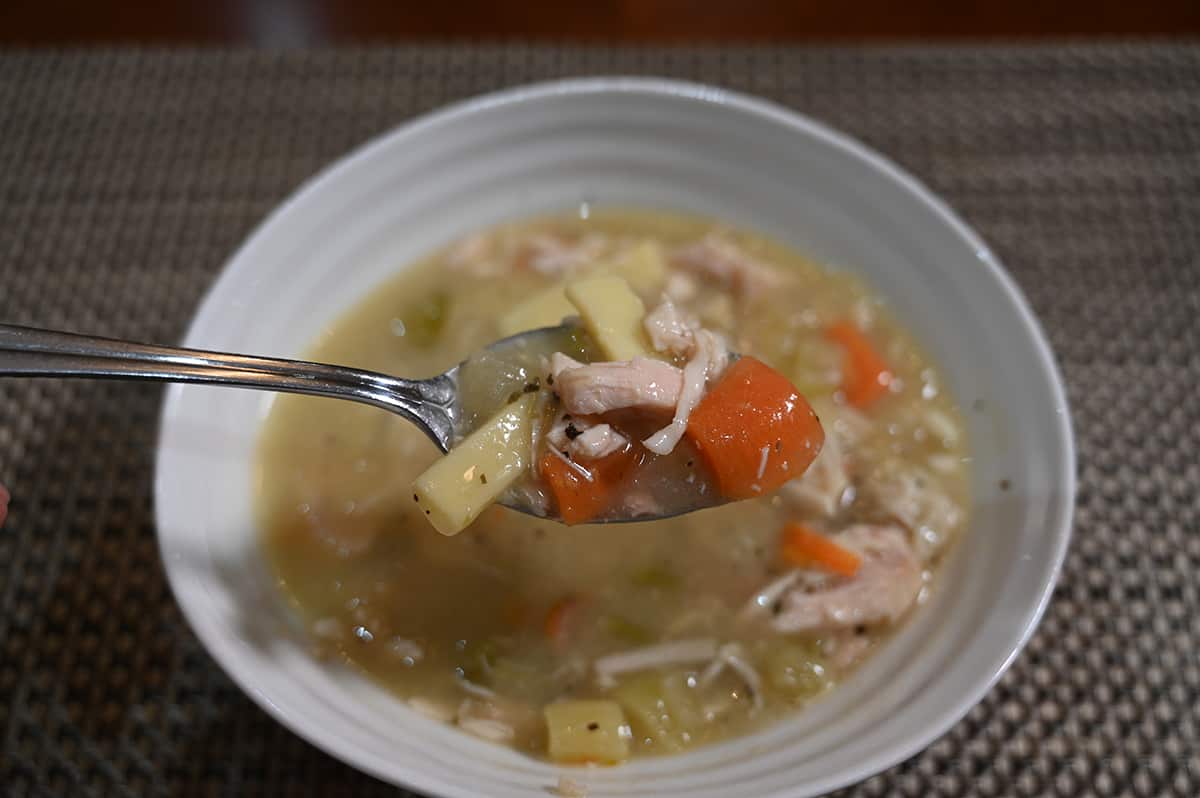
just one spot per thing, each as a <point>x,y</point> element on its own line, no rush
<point>668,330</point>
<point>568,788</point>
<point>560,363</point>
<point>496,731</point>
<point>845,649</point>
<point>681,287</point>
<point>496,719</point>
<point>717,257</point>
<point>913,497</point>
<point>641,502</point>
<point>674,652</point>
<point>708,362</point>
<point>941,425</point>
<point>473,255</point>
<point>885,587</point>
<point>596,442</point>
<point>597,388</point>
<point>762,601</point>
<point>823,489</point>
<point>733,656</point>
<point>583,439</point>
<point>553,256</point>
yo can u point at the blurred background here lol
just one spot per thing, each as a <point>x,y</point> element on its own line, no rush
<point>284,23</point>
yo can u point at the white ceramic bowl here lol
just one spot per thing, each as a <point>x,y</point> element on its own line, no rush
<point>647,143</point>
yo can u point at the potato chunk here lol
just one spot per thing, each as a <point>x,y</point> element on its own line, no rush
<point>643,267</point>
<point>457,488</point>
<point>612,314</point>
<point>546,308</point>
<point>587,731</point>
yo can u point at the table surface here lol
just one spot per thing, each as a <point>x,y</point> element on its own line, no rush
<point>128,176</point>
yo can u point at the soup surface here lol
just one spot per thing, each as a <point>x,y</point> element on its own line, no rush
<point>598,642</point>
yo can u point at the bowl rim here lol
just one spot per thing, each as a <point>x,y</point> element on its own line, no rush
<point>1062,507</point>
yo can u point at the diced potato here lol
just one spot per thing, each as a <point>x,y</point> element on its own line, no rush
<point>795,669</point>
<point>546,308</point>
<point>457,488</point>
<point>587,731</point>
<point>643,267</point>
<point>613,314</point>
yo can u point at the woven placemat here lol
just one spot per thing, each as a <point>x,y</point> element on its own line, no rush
<point>127,177</point>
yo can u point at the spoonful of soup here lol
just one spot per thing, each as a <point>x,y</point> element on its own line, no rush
<point>614,415</point>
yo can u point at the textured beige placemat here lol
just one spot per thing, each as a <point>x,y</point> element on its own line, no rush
<point>126,179</point>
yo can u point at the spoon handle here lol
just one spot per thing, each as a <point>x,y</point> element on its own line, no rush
<point>32,352</point>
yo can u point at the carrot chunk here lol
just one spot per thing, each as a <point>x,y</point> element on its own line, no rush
<point>754,430</point>
<point>558,619</point>
<point>584,490</point>
<point>806,548</point>
<point>867,374</point>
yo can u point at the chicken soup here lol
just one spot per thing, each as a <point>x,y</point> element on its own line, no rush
<point>700,365</point>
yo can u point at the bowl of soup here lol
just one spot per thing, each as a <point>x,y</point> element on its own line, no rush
<point>786,643</point>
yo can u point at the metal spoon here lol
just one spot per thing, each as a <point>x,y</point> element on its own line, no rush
<point>432,404</point>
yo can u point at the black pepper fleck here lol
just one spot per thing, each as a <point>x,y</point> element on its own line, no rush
<point>514,396</point>
<point>860,630</point>
<point>416,498</point>
<point>779,446</point>
<point>1005,484</point>
<point>482,479</point>
<point>690,463</point>
<point>426,512</point>
<point>550,380</point>
<point>593,726</point>
<point>531,387</point>
<point>572,432</point>
<point>777,607</point>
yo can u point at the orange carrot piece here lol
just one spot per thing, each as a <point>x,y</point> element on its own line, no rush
<point>806,548</point>
<point>579,498</point>
<point>867,374</point>
<point>558,618</point>
<point>754,430</point>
